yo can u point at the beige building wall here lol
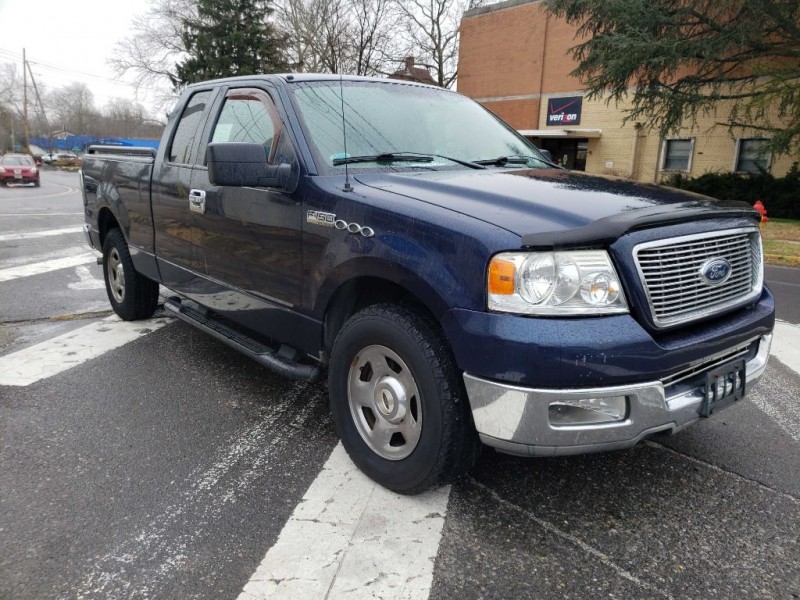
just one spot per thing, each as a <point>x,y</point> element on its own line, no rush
<point>625,150</point>
<point>514,56</point>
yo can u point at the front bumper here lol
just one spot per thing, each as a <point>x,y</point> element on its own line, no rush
<point>516,419</point>
<point>19,178</point>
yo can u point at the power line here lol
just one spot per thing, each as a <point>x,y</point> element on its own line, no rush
<point>8,54</point>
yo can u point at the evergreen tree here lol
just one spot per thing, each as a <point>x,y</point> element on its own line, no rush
<point>677,59</point>
<point>228,38</point>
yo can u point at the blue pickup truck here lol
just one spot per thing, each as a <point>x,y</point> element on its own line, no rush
<point>455,287</point>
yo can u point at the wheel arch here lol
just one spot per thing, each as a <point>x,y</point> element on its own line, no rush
<point>368,283</point>
<point>106,221</point>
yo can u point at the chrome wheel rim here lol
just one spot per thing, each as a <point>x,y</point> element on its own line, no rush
<point>384,402</point>
<point>116,275</point>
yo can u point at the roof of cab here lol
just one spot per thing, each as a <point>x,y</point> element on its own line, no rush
<point>304,77</point>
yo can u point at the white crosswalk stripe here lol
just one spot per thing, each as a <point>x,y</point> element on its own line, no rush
<point>47,266</point>
<point>27,235</point>
<point>58,354</point>
<point>783,409</point>
<point>349,539</point>
<point>786,344</point>
<point>43,256</point>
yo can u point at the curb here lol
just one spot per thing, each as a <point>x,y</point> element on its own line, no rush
<point>779,259</point>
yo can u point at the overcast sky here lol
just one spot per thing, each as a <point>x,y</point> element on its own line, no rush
<point>71,40</point>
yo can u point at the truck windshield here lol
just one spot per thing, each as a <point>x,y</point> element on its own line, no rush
<point>395,118</point>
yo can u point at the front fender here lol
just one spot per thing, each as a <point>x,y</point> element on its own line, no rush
<point>380,268</point>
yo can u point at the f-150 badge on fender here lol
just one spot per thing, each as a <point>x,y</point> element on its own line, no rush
<point>316,217</point>
<point>324,219</point>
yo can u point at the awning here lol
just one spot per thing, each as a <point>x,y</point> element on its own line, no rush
<point>561,133</point>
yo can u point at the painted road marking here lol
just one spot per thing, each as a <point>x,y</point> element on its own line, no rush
<point>63,252</point>
<point>58,354</point>
<point>39,234</point>
<point>350,538</point>
<point>38,214</point>
<point>87,280</point>
<point>783,408</point>
<point>47,266</point>
<point>778,397</point>
<point>67,191</point>
<point>139,565</point>
<point>786,344</point>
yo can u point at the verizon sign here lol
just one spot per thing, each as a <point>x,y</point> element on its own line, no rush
<point>564,111</point>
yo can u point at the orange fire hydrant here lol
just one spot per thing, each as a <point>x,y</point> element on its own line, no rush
<point>759,206</point>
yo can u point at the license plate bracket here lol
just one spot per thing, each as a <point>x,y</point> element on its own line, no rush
<point>725,385</point>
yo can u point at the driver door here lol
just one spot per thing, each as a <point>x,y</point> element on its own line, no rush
<point>250,238</point>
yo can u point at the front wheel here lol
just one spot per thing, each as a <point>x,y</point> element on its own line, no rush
<point>397,400</point>
<point>132,296</point>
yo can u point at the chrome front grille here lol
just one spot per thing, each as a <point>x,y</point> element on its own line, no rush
<point>672,273</point>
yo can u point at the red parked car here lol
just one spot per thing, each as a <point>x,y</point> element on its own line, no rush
<point>18,168</point>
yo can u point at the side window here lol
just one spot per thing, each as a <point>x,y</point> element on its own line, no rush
<point>751,156</point>
<point>248,116</point>
<point>677,155</point>
<point>188,127</point>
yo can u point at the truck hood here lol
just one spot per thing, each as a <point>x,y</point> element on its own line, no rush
<point>554,207</point>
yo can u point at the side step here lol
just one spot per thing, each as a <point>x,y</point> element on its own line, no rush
<point>260,353</point>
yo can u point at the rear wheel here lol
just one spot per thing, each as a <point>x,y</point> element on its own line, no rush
<point>397,400</point>
<point>132,295</point>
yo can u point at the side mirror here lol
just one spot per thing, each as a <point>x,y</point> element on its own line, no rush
<point>244,165</point>
<point>546,154</point>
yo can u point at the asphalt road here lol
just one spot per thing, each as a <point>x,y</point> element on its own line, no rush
<point>170,467</point>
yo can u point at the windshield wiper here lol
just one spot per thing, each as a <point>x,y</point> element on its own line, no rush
<point>388,157</point>
<point>514,159</point>
<point>385,157</point>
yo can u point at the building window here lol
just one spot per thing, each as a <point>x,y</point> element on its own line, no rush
<point>677,155</point>
<point>751,157</point>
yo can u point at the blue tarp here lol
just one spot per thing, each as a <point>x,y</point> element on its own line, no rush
<point>79,143</point>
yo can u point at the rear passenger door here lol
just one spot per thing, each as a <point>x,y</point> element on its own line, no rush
<point>175,226</point>
<point>251,237</point>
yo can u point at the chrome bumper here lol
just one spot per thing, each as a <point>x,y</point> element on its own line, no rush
<point>516,419</point>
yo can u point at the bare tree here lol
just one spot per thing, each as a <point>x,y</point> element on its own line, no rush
<point>122,117</point>
<point>331,39</point>
<point>10,99</point>
<point>373,36</point>
<point>156,46</point>
<point>317,29</point>
<point>431,28</point>
<point>10,87</point>
<point>339,36</point>
<point>74,109</point>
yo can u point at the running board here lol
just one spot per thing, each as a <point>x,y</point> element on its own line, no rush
<point>264,355</point>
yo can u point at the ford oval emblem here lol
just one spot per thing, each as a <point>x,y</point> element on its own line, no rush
<point>716,271</point>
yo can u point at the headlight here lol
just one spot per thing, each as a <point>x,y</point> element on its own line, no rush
<point>577,282</point>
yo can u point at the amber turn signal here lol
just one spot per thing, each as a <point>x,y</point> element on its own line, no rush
<point>501,277</point>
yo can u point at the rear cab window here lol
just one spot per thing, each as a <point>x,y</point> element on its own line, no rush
<point>190,124</point>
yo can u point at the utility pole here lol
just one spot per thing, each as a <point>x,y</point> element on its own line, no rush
<point>39,109</point>
<point>25,127</point>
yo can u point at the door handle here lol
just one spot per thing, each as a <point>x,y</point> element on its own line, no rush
<point>197,201</point>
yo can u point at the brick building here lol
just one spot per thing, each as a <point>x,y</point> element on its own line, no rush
<point>410,72</point>
<point>515,60</point>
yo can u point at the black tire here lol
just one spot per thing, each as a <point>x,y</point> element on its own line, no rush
<point>132,295</point>
<point>37,183</point>
<point>438,412</point>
